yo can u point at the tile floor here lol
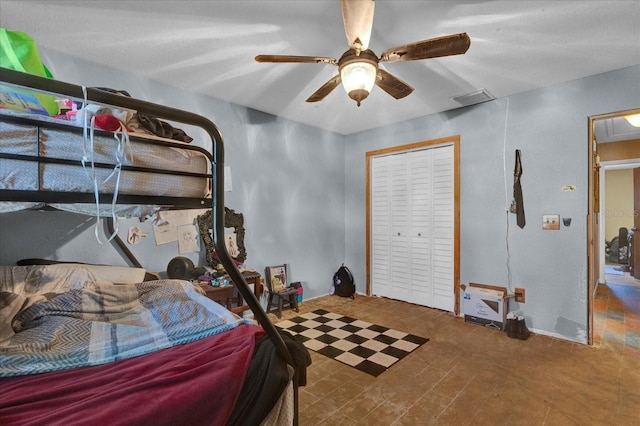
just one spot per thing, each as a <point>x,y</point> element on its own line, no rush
<point>616,321</point>
<point>467,375</point>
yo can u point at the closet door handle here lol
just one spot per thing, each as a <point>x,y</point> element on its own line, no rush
<point>419,234</point>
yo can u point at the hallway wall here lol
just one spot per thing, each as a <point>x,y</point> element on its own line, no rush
<point>618,201</point>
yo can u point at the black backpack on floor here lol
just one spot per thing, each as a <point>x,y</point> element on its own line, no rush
<point>343,283</point>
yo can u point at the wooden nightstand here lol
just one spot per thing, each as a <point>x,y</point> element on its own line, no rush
<point>250,278</point>
<point>222,295</point>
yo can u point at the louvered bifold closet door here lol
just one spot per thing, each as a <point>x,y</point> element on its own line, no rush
<point>442,227</point>
<point>421,233</point>
<point>400,227</point>
<point>412,226</point>
<point>380,212</point>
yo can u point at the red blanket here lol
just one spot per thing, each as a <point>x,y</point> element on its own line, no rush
<point>196,384</point>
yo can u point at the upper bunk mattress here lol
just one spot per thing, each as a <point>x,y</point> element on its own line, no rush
<point>48,140</point>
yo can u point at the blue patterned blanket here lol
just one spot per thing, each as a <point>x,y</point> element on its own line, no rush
<point>99,322</point>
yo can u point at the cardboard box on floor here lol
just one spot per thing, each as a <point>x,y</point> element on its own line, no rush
<point>485,305</point>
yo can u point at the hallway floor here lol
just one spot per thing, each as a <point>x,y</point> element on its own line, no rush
<point>467,374</point>
<point>616,310</point>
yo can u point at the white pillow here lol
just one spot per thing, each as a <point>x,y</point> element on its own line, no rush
<point>23,286</point>
<point>116,274</point>
<point>40,279</point>
<point>57,278</point>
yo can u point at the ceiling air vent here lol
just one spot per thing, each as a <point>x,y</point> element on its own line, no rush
<point>475,97</point>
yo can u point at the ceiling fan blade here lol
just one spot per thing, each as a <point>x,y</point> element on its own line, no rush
<point>454,44</point>
<point>357,16</point>
<point>326,88</point>
<point>392,84</point>
<point>296,59</point>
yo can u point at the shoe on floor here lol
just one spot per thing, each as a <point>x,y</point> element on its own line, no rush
<point>510,326</point>
<point>522,332</point>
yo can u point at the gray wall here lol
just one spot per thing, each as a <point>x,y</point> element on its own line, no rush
<point>288,182</point>
<point>302,190</point>
<point>550,127</point>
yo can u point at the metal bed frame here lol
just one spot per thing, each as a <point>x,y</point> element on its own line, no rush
<point>216,202</point>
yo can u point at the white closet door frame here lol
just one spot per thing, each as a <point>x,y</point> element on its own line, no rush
<point>383,158</point>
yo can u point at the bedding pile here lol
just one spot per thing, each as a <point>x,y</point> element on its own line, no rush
<point>57,317</point>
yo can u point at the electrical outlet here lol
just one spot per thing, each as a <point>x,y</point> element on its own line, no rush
<point>519,295</point>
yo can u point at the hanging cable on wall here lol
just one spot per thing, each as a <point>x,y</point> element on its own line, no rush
<point>507,197</point>
<point>507,200</point>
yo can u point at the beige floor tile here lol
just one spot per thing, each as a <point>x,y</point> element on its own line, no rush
<point>384,414</point>
<point>426,410</point>
<point>468,374</point>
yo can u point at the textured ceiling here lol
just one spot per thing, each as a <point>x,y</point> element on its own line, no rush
<point>209,47</point>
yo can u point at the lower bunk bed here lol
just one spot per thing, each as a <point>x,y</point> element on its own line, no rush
<point>77,348</point>
<point>94,344</point>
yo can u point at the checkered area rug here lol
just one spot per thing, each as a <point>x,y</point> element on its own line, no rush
<point>367,347</point>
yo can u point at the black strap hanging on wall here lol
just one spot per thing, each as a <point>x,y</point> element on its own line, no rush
<point>517,192</point>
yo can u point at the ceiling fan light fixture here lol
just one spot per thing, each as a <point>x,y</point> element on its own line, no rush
<point>633,119</point>
<point>358,95</point>
<point>358,73</point>
<point>358,79</point>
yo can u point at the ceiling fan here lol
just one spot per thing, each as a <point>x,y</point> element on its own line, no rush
<point>358,66</point>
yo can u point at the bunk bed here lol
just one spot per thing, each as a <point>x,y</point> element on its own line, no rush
<point>92,344</point>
